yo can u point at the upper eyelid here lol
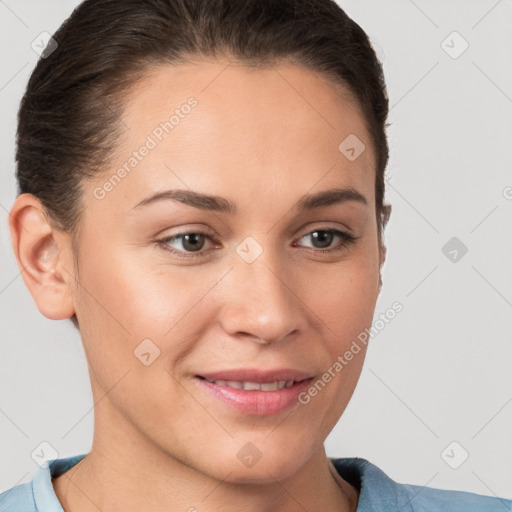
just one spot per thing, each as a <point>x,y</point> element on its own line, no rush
<point>201,231</point>
<point>208,232</point>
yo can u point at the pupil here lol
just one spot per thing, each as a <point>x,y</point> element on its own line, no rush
<point>191,242</point>
<point>323,236</point>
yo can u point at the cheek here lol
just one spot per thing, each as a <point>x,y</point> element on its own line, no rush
<point>135,305</point>
<point>121,305</point>
<point>344,295</point>
<point>131,309</point>
<point>345,301</point>
<point>129,293</point>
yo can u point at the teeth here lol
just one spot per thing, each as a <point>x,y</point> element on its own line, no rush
<point>250,386</point>
<point>269,386</point>
<point>255,386</point>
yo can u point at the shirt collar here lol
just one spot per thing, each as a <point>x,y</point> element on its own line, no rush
<point>377,492</point>
<point>42,488</point>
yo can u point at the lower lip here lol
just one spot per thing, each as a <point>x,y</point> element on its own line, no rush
<point>260,403</point>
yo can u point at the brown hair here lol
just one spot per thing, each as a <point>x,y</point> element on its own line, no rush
<point>68,121</point>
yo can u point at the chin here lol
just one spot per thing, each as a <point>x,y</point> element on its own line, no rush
<point>262,462</point>
<point>263,472</point>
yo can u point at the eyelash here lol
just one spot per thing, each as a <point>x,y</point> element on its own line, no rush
<point>346,238</point>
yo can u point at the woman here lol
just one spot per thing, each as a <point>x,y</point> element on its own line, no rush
<point>202,193</point>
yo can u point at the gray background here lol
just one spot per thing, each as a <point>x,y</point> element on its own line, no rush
<point>440,371</point>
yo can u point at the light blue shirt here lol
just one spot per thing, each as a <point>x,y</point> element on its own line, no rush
<point>378,492</point>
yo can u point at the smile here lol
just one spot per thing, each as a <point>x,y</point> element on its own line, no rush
<point>255,392</point>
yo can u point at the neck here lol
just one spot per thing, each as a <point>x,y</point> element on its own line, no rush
<point>113,481</point>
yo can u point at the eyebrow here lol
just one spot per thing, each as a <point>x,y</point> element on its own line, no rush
<point>222,205</point>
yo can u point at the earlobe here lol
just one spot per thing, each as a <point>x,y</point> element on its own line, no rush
<point>41,256</point>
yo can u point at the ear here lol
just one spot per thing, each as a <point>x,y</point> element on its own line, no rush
<point>44,256</point>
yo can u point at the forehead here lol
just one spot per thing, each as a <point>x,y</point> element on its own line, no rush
<point>228,92</point>
<point>254,131</point>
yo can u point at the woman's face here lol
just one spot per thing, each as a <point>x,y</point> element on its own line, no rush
<point>262,285</point>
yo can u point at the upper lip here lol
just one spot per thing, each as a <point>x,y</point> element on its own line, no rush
<point>257,375</point>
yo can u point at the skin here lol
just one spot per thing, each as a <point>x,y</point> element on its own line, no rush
<point>160,442</point>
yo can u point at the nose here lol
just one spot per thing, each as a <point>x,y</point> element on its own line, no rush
<point>262,301</point>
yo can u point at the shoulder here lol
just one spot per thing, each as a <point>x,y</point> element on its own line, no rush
<point>429,499</point>
<point>38,495</point>
<point>379,493</point>
<point>18,498</point>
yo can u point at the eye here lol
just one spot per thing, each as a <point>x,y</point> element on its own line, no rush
<point>191,242</point>
<point>324,238</point>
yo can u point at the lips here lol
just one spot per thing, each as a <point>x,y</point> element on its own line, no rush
<point>256,392</point>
